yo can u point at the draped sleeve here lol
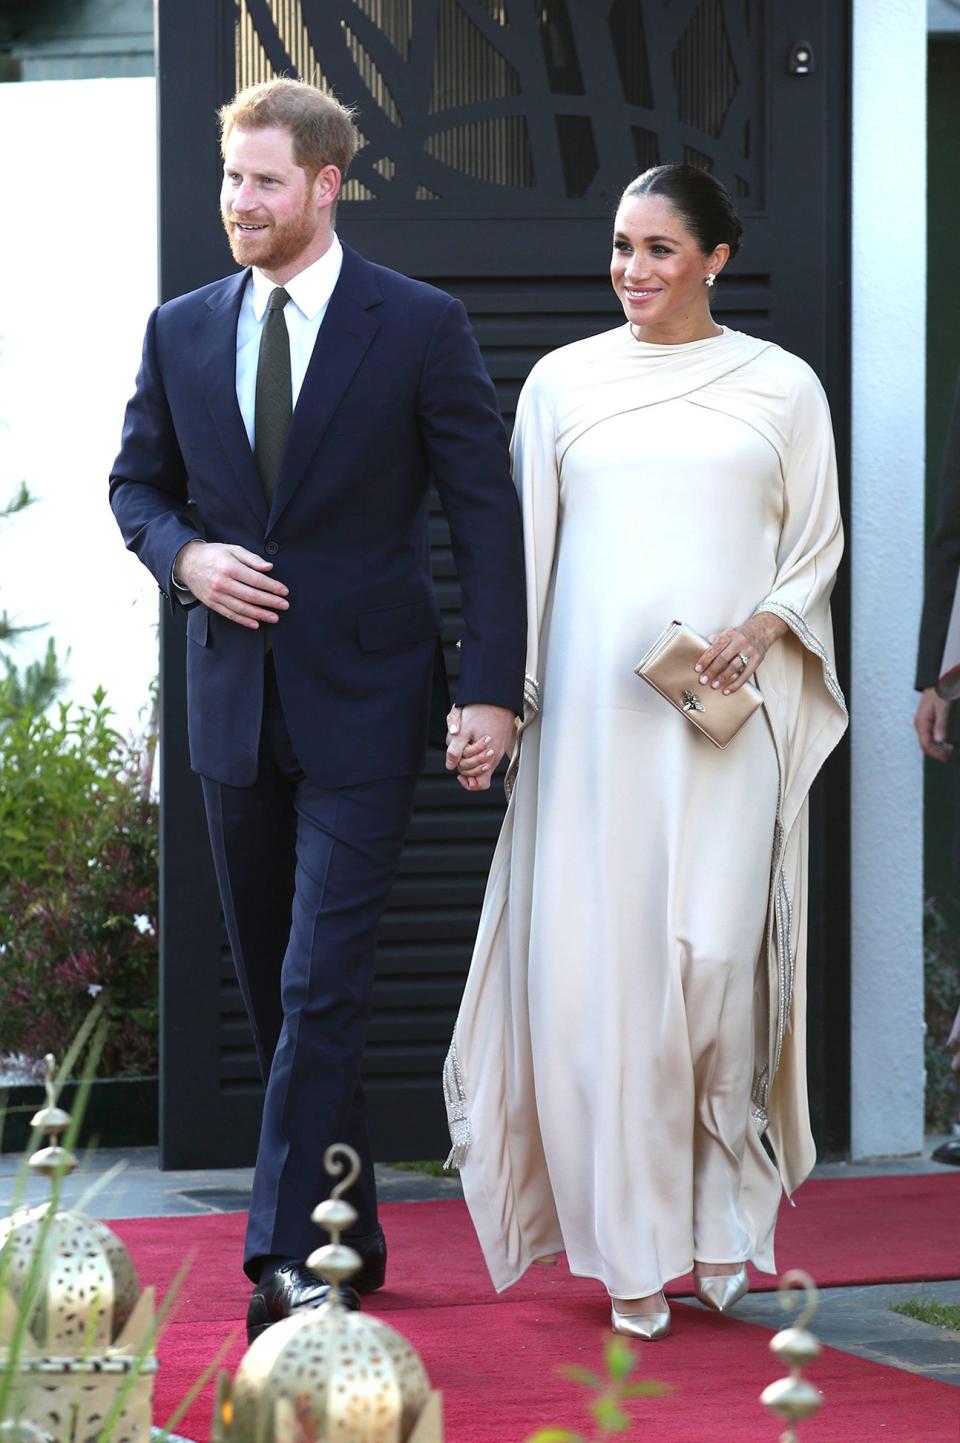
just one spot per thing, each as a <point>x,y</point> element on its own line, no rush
<point>810,714</point>
<point>533,453</point>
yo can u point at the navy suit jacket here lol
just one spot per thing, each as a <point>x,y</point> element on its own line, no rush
<point>943,563</point>
<point>396,391</point>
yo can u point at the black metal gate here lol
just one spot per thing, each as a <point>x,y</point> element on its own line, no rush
<point>498,135</point>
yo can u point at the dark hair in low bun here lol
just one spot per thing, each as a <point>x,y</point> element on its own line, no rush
<point>699,198</point>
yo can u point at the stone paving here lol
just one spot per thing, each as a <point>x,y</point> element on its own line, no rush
<point>115,1184</point>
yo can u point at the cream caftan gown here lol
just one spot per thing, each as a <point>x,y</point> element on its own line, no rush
<point>633,1019</point>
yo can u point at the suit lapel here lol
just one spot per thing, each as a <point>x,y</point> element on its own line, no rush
<point>349,326</point>
<point>217,341</point>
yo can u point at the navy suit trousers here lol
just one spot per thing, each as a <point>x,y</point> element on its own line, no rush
<point>304,872</point>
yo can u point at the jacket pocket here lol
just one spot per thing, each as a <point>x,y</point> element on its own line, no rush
<point>198,625</point>
<point>395,626</point>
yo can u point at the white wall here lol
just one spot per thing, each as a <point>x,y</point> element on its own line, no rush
<point>889,307</point>
<point>78,273</point>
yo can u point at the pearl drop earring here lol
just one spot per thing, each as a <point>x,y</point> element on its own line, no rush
<point>710,279</point>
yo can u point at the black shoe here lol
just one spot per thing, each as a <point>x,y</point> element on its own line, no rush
<point>948,1152</point>
<point>291,1287</point>
<point>373,1250</point>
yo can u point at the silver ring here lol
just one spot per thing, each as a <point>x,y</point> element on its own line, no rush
<point>743,660</point>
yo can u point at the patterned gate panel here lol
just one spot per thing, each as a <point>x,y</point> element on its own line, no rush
<point>497,136</point>
<point>517,107</point>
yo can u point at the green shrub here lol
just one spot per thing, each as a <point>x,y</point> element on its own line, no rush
<point>39,683</point>
<point>78,885</point>
<point>941,962</point>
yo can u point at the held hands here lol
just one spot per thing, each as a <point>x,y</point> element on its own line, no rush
<point>931,724</point>
<point>231,580</point>
<point>735,654</point>
<point>477,739</point>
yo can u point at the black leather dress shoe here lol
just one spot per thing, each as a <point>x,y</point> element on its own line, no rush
<point>290,1288</point>
<point>373,1250</point>
<point>948,1152</point>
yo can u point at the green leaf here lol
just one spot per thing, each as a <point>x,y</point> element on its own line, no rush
<point>583,1376</point>
<point>19,501</point>
<point>610,1415</point>
<point>646,1390</point>
<point>555,1435</point>
<point>620,1358</point>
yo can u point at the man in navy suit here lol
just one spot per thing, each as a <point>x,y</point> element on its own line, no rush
<point>303,406</point>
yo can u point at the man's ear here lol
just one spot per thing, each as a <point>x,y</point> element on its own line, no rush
<point>326,186</point>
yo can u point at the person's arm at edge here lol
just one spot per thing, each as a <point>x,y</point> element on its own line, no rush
<point>466,446</point>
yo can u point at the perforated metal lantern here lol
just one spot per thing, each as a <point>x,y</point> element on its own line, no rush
<point>88,1286</point>
<point>328,1375</point>
<point>74,1326</point>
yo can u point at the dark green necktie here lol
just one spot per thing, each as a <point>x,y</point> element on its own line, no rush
<point>274,399</point>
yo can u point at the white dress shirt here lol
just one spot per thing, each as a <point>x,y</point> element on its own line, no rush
<point>309,291</point>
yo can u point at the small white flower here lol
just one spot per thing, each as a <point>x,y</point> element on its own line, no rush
<point>94,989</point>
<point>143,924</point>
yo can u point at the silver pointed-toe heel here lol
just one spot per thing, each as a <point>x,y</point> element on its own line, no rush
<point>648,1327</point>
<point>722,1291</point>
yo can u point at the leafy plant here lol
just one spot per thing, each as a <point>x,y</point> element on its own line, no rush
<point>611,1391</point>
<point>78,885</point>
<point>929,1310</point>
<point>41,681</point>
<point>941,965</point>
<point>38,684</point>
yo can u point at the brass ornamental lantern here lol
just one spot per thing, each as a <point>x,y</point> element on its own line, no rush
<point>327,1373</point>
<point>89,1330</point>
<point>794,1398</point>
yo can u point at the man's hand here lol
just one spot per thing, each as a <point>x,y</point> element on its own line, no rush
<point>931,724</point>
<point>477,739</point>
<point>231,580</point>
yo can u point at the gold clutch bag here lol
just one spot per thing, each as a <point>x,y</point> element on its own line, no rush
<point>668,667</point>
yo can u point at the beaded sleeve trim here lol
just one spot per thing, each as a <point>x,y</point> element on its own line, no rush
<point>811,641</point>
<point>455,1098</point>
<point>531,710</point>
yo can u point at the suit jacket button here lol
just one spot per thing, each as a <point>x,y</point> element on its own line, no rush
<point>271,548</point>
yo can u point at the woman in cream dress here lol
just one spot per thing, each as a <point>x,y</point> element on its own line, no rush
<point>633,1022</point>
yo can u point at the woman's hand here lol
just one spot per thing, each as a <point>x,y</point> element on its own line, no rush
<point>734,654</point>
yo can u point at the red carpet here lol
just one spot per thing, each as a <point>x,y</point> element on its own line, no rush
<point>495,1358</point>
